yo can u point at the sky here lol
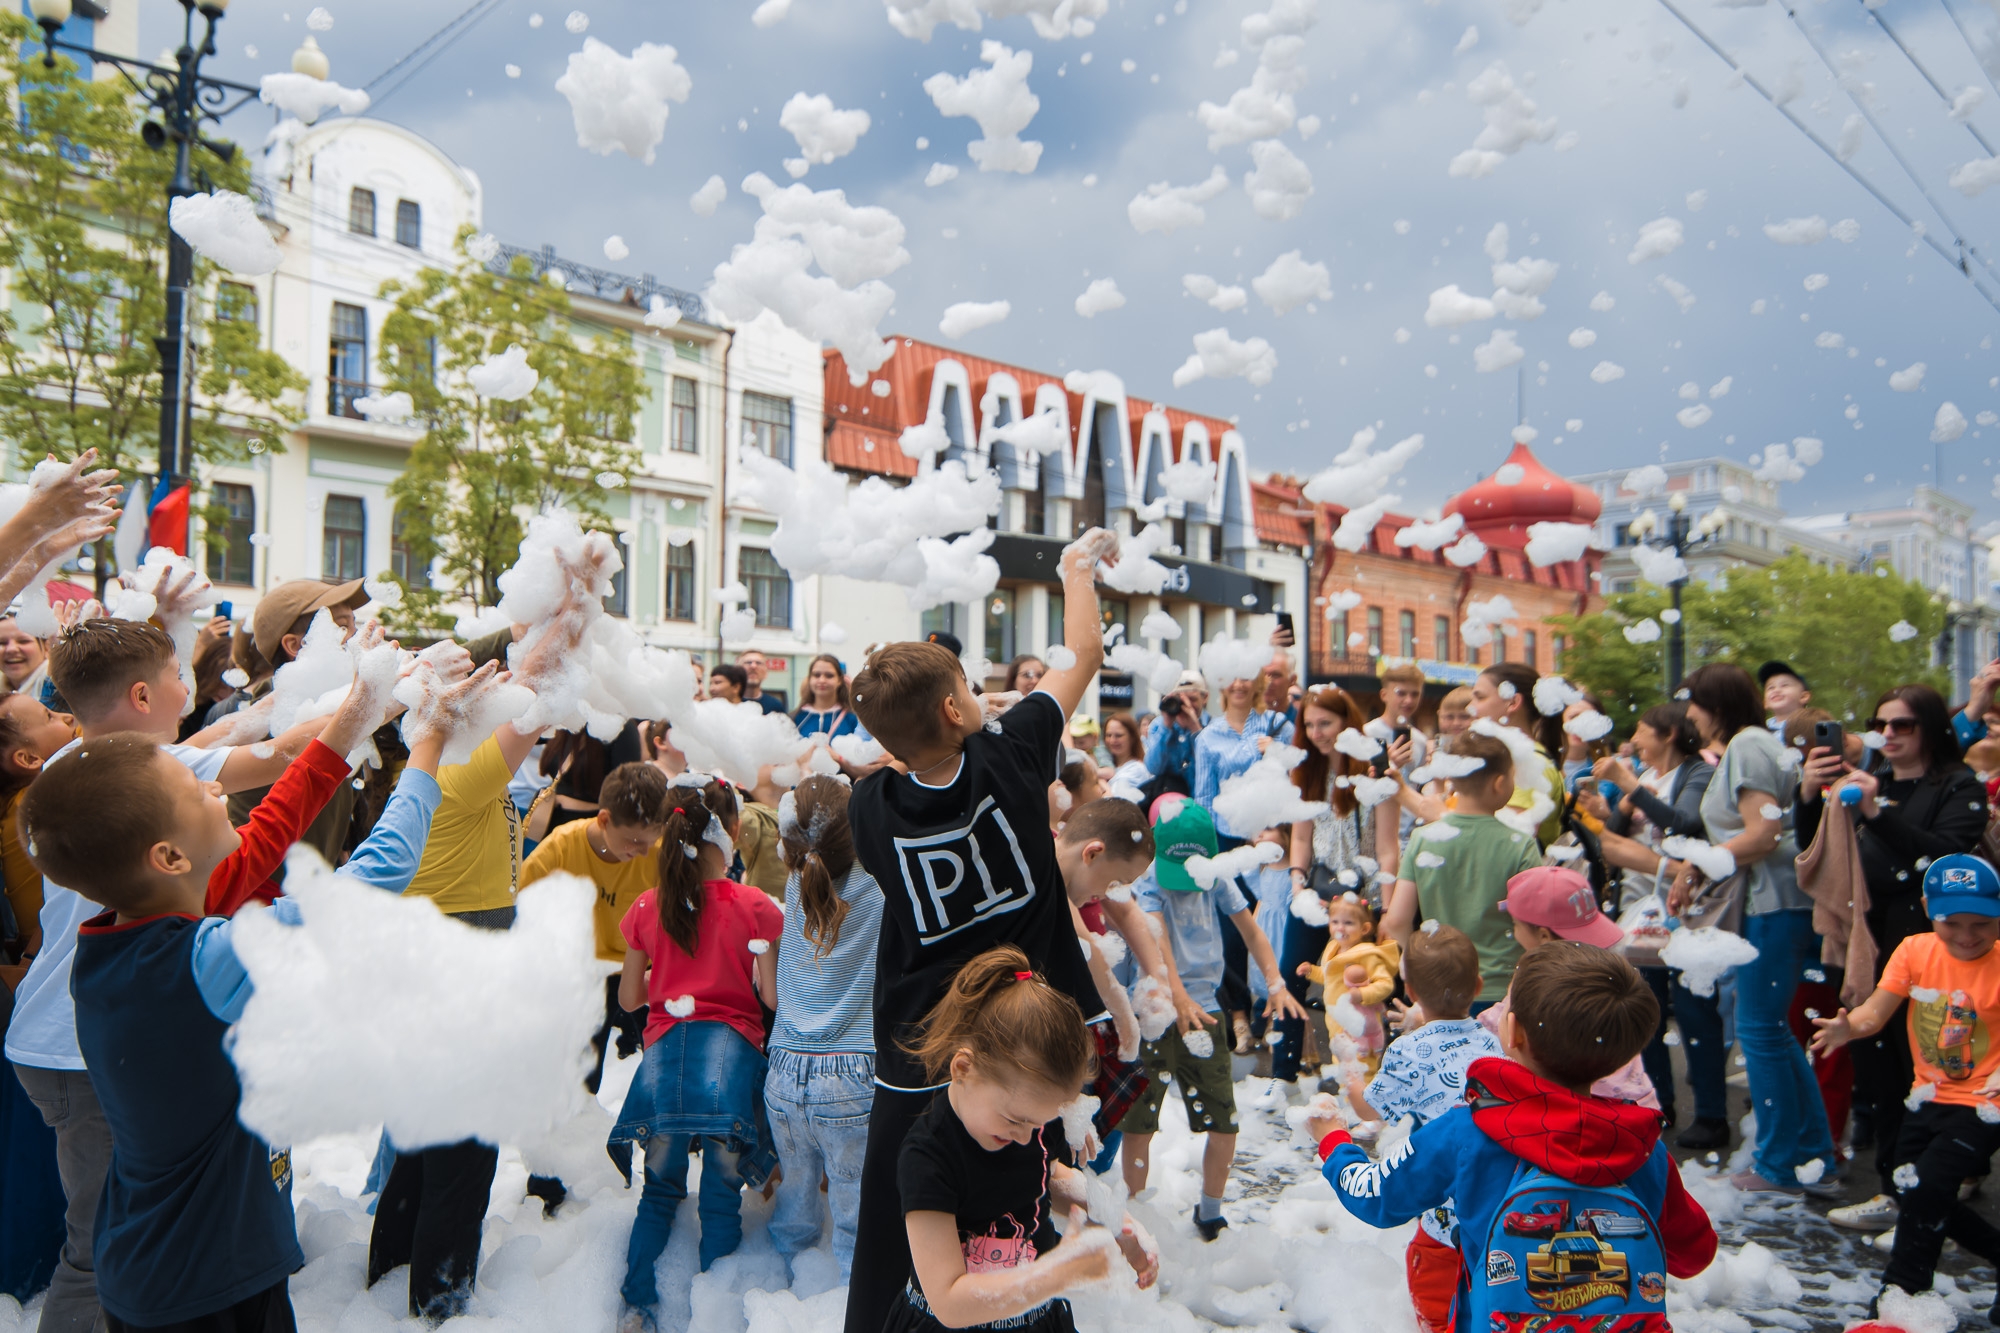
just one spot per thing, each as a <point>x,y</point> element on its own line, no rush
<point>1635,120</point>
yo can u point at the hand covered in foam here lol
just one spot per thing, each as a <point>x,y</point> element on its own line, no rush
<point>461,716</point>
<point>62,493</point>
<point>1081,557</point>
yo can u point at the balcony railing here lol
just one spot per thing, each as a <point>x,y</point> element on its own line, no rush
<point>340,396</point>
<point>601,283</point>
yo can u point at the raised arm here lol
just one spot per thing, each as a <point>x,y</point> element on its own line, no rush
<point>1083,629</point>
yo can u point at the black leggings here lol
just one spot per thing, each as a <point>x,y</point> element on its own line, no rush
<point>1947,1145</point>
<point>429,1217</point>
<point>1884,1070</point>
<point>1302,944</point>
<point>269,1311</point>
<point>881,1242</point>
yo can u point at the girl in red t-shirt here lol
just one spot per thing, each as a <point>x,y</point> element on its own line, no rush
<point>700,955</point>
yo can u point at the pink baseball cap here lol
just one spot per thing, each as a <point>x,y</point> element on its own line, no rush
<point>1562,901</point>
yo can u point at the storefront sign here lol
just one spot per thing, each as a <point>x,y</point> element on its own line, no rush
<point>1027,557</point>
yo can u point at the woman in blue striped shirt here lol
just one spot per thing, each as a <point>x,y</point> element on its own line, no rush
<point>821,1082</point>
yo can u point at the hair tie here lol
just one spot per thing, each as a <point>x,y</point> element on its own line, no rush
<point>1024,976</point>
<point>679,811</point>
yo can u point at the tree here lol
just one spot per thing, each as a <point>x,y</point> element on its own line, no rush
<point>1833,625</point>
<point>83,214</point>
<point>484,465</point>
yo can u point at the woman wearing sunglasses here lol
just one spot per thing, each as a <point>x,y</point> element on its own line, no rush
<point>1918,802</point>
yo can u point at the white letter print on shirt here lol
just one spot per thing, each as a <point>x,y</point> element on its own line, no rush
<point>950,882</point>
<point>1363,1180</point>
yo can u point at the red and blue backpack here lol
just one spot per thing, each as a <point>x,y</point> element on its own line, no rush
<point>1561,1256</point>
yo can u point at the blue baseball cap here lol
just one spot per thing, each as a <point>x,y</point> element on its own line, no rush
<point>1961,883</point>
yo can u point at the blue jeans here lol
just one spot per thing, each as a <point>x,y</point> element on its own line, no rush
<point>1700,1021</point>
<point>818,1106</point>
<point>720,1206</point>
<point>1791,1118</point>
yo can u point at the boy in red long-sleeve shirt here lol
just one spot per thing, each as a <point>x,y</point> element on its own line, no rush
<point>1569,1210</point>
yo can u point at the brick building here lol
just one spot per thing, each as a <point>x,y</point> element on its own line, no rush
<point>1413,602</point>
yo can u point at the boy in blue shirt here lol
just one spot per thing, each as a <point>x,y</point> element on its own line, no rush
<point>191,1231</point>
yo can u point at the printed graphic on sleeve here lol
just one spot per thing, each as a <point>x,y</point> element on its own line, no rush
<point>963,876</point>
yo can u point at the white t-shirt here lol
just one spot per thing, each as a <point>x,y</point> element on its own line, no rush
<point>43,1032</point>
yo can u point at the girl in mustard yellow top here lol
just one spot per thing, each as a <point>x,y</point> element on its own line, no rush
<point>1357,964</point>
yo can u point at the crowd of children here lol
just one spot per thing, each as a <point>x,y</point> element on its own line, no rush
<point>959,1026</point>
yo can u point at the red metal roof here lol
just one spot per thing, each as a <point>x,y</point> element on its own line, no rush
<point>908,375</point>
<point>1501,513</point>
<point>1283,516</point>
<point>860,448</point>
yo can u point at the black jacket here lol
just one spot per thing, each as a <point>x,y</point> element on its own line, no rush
<point>1945,813</point>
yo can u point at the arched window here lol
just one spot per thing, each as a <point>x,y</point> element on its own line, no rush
<point>361,211</point>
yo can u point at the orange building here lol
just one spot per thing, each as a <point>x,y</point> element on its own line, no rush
<point>1413,602</point>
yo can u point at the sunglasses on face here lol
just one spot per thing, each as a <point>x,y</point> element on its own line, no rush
<point>1893,726</point>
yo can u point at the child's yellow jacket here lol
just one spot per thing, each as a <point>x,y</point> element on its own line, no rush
<point>1380,957</point>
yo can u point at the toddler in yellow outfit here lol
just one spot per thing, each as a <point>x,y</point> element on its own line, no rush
<point>1365,968</point>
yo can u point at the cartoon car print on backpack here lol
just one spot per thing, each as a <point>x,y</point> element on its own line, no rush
<point>1577,1267</point>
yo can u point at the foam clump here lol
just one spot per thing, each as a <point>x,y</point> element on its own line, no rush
<point>1704,955</point>
<point>1153,1007</point>
<point>340,1035</point>
<point>1263,795</point>
<point>1208,871</point>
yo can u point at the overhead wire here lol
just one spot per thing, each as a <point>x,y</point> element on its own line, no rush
<point>1918,65</point>
<point>1970,47</point>
<point>1833,156</point>
<point>433,46</point>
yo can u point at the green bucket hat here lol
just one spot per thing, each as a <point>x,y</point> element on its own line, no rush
<point>1188,831</point>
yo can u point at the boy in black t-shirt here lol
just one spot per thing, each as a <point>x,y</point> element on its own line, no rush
<point>959,841</point>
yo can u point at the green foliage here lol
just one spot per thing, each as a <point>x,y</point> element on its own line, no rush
<point>1833,625</point>
<point>483,466</point>
<point>83,241</point>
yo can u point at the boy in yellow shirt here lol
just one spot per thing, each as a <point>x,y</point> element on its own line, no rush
<point>617,850</point>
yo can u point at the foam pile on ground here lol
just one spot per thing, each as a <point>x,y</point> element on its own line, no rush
<point>340,1034</point>
<point>1358,475</point>
<point>853,247</point>
<point>823,132</point>
<point>878,532</point>
<point>620,103</point>
<point>1208,871</point>
<point>1704,955</point>
<point>1263,795</point>
<point>998,98</point>
<point>224,227</point>
<point>308,98</point>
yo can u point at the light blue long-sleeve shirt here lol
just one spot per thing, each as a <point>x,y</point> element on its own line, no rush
<point>1221,752</point>
<point>1169,749</point>
<point>387,860</point>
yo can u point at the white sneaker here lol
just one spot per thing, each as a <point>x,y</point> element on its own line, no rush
<point>1886,1242</point>
<point>1869,1215</point>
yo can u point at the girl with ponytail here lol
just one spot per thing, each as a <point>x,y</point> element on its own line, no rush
<point>985,1167</point>
<point>821,1082</point>
<point>701,960</point>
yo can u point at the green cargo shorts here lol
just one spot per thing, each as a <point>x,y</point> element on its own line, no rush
<point>1207,1086</point>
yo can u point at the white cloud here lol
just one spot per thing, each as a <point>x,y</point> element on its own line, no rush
<point>1909,379</point>
<point>709,197</point>
<point>1166,208</point>
<point>1358,475</point>
<point>1511,123</point>
<point>1948,425</point>
<point>1603,301</point>
<point>619,103</point>
<point>224,227</point>
<point>939,173</point>
<point>1606,371</point>
<point>1204,288</point>
<point>1662,236</point>
<point>1264,109</point>
<point>1498,352</point>
<point>1797,231</point>
<point>1290,282</point>
<point>1279,183</point>
<point>1218,356</point>
<point>1582,338</point>
<point>1692,417</point>
<point>1449,307</point>
<point>998,98</point>
<point>1100,296</point>
<point>824,132</point>
<point>1976,177</point>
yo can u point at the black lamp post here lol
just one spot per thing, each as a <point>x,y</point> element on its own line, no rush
<point>1681,537</point>
<point>185,99</point>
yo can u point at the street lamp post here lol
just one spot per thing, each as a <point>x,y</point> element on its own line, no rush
<point>185,98</point>
<point>1681,537</point>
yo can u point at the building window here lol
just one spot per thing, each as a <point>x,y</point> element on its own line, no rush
<point>954,422</point>
<point>1339,624</point>
<point>1178,527</point>
<point>236,302</point>
<point>1000,635</point>
<point>1499,644</point>
<point>1441,638</point>
<point>1471,655</point>
<point>685,419</point>
<point>403,562</point>
<point>1055,625</point>
<point>361,211</point>
<point>1374,631</point>
<point>940,620</point>
<point>1034,511</point>
<point>769,585</point>
<point>1406,631</point>
<point>231,556</point>
<point>1531,650</point>
<point>347,360</point>
<point>1556,646</point>
<point>1090,511</point>
<point>344,538</point>
<point>409,224</point>
<point>767,425</point>
<point>680,581</point>
<point>617,601</point>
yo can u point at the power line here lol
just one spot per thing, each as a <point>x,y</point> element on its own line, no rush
<point>1832,156</point>
<point>435,45</point>
<point>1966,35</point>
<point>1918,65</point>
<point>1964,247</point>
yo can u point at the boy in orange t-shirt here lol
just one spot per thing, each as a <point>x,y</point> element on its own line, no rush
<point>1952,981</point>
